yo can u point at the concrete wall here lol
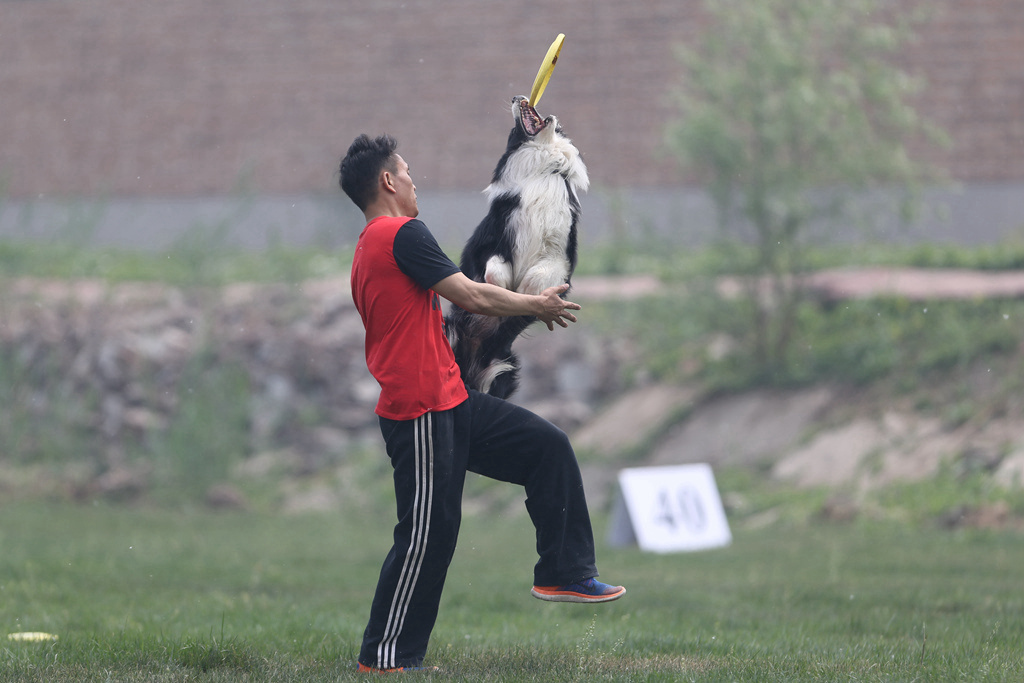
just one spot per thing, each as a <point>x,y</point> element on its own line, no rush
<point>971,215</point>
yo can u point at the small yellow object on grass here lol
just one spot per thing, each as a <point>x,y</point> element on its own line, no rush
<point>546,67</point>
<point>31,636</point>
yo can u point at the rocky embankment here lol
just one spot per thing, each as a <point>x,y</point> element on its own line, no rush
<point>115,363</point>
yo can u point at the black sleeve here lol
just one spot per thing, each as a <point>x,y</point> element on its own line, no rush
<point>419,256</point>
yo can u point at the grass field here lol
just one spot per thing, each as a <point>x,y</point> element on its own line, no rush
<point>152,595</point>
<point>147,595</point>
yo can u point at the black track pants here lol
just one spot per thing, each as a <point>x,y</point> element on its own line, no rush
<point>431,456</point>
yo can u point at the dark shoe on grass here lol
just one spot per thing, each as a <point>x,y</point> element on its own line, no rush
<point>401,669</point>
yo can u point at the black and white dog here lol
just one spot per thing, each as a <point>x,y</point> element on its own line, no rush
<point>526,243</point>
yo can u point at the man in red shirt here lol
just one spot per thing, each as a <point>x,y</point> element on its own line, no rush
<point>435,430</point>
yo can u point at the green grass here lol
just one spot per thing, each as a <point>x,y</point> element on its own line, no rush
<point>145,595</point>
<point>200,260</point>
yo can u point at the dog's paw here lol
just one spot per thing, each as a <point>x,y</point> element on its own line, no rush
<point>498,272</point>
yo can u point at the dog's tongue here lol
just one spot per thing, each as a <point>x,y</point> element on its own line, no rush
<point>532,122</point>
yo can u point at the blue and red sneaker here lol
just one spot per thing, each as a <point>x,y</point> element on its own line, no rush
<point>587,590</point>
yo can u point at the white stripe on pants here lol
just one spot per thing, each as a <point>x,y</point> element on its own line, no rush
<point>424,494</point>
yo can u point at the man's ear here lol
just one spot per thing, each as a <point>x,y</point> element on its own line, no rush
<point>386,182</point>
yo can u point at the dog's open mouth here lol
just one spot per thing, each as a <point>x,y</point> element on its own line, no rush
<point>530,119</point>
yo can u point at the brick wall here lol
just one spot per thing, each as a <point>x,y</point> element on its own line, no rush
<point>191,98</point>
<point>972,57</point>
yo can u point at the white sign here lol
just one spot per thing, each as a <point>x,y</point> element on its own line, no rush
<point>669,509</point>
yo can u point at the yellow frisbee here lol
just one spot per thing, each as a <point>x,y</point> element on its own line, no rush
<point>31,636</point>
<point>546,67</point>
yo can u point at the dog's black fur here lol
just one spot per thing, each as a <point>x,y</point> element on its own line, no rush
<point>527,243</point>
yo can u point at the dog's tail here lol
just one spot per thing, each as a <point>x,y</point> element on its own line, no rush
<point>483,350</point>
<point>501,377</point>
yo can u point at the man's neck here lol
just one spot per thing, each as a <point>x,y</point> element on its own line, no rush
<point>379,210</point>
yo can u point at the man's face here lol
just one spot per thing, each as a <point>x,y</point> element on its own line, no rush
<point>405,189</point>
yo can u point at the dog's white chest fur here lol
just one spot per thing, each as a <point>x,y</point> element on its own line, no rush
<point>546,174</point>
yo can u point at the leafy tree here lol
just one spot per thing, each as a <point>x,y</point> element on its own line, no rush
<point>788,109</point>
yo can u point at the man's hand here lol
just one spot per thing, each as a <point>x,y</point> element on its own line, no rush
<point>556,309</point>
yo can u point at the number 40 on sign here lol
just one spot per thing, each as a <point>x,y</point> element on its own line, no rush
<point>669,509</point>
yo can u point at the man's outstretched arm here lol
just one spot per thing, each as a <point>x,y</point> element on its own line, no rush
<point>487,299</point>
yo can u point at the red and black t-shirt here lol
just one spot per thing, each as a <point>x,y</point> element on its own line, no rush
<point>397,261</point>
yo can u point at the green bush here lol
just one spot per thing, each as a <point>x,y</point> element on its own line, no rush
<point>855,342</point>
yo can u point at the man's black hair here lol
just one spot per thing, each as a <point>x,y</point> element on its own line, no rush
<point>362,165</point>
